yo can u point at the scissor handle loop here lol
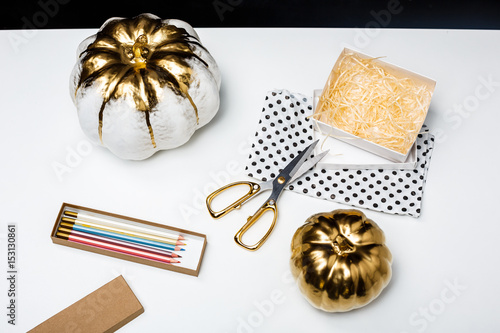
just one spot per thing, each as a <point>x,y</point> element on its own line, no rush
<point>269,205</point>
<point>254,188</point>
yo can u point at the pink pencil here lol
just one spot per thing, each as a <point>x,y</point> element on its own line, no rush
<point>68,229</point>
<point>115,248</point>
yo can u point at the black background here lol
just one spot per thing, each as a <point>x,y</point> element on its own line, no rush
<point>446,14</point>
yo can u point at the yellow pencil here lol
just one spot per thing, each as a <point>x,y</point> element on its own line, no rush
<point>123,231</point>
<point>122,225</point>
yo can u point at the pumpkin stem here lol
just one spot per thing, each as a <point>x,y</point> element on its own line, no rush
<point>342,245</point>
<point>139,52</point>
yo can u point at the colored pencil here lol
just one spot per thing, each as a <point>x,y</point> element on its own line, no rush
<point>122,225</point>
<point>69,229</point>
<point>115,248</point>
<point>123,231</point>
<point>119,236</point>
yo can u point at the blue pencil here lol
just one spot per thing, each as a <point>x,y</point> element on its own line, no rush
<point>127,238</point>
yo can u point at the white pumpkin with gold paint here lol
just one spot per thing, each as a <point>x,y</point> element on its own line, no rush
<point>144,84</point>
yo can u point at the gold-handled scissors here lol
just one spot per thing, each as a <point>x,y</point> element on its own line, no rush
<point>296,168</point>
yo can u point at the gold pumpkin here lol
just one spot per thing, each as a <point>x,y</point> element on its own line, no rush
<point>340,261</point>
<point>144,84</point>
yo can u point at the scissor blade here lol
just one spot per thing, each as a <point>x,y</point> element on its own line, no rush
<point>308,165</point>
<point>291,169</point>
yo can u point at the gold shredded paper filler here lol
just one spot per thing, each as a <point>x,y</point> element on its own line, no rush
<point>371,103</point>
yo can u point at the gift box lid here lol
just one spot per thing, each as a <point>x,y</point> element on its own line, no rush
<point>104,310</point>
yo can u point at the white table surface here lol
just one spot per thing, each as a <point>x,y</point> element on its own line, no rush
<point>445,267</point>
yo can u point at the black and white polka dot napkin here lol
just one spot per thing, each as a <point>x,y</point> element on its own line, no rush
<point>284,130</point>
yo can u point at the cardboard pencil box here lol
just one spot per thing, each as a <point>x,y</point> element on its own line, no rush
<point>192,256</point>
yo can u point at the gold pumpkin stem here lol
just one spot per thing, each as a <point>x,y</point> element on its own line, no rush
<point>137,50</point>
<point>342,246</point>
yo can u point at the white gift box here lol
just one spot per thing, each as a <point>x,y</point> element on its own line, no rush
<point>403,160</point>
<point>343,155</point>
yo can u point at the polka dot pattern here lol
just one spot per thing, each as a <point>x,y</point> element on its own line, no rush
<point>284,130</point>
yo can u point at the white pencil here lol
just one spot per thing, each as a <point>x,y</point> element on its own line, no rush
<point>122,225</point>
